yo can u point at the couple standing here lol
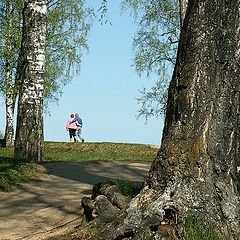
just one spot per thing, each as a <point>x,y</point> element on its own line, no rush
<point>74,125</point>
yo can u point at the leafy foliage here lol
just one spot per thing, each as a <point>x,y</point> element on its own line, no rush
<point>155,46</point>
<point>68,25</point>
<point>10,41</point>
<point>153,102</point>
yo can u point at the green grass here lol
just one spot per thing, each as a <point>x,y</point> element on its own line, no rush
<point>14,171</point>
<point>98,151</point>
<point>6,152</point>
<point>198,229</point>
<point>129,189</point>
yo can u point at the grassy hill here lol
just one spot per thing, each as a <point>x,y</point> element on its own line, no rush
<point>98,151</point>
<point>13,171</point>
<point>62,151</point>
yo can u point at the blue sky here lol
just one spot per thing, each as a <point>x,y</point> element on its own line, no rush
<point>104,93</point>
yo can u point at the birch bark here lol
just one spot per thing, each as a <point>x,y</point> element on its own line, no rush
<point>10,95</point>
<point>183,8</point>
<point>29,132</point>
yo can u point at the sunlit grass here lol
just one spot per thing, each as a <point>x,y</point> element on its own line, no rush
<point>98,151</point>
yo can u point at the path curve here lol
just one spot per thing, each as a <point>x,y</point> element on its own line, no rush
<point>51,205</point>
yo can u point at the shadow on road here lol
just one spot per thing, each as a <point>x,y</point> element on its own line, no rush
<point>92,172</point>
<point>38,209</point>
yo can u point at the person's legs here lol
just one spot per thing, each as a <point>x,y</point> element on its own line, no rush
<point>74,135</point>
<point>70,134</point>
<point>79,131</point>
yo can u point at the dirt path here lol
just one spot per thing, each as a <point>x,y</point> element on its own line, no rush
<point>41,209</point>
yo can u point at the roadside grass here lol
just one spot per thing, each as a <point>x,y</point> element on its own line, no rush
<point>13,172</point>
<point>6,153</point>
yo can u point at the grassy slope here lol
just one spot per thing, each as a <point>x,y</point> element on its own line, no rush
<point>12,171</point>
<point>98,151</point>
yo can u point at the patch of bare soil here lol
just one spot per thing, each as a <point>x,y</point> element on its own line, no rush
<point>51,205</point>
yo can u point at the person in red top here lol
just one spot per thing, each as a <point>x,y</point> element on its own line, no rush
<point>72,127</point>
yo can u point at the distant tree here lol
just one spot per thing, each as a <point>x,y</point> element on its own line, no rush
<point>29,134</point>
<point>68,25</point>
<point>69,22</point>
<point>1,135</point>
<point>155,46</point>
<point>10,39</point>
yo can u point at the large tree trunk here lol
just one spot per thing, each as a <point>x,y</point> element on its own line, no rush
<point>197,166</point>
<point>29,133</point>
<point>196,169</point>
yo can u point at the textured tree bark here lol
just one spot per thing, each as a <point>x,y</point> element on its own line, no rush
<point>29,133</point>
<point>197,167</point>
<point>10,95</point>
<point>9,131</point>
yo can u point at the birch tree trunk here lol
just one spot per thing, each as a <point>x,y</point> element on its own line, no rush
<point>29,133</point>
<point>183,8</point>
<point>10,95</point>
<point>197,167</point>
<point>9,131</point>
